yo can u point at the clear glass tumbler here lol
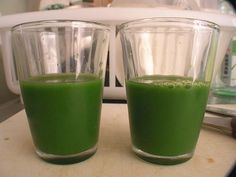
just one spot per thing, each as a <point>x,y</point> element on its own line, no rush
<point>168,65</point>
<point>61,68</point>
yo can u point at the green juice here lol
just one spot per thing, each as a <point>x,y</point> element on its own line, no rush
<point>63,112</point>
<point>166,113</point>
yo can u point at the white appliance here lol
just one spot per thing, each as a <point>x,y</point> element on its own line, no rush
<point>112,16</point>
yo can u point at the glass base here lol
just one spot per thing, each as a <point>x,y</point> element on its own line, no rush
<point>67,159</point>
<point>162,160</point>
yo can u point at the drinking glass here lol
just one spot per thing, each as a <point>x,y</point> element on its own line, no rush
<point>61,68</point>
<point>168,65</point>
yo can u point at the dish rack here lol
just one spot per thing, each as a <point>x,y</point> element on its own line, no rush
<point>114,81</point>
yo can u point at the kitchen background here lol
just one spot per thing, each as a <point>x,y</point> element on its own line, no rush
<point>10,102</point>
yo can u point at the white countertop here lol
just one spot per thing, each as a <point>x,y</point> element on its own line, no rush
<point>214,156</point>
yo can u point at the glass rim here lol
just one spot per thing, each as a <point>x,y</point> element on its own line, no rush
<point>59,23</point>
<point>147,21</point>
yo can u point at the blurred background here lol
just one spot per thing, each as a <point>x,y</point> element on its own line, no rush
<point>9,102</point>
<point>18,6</point>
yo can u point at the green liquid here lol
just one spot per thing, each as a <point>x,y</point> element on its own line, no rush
<point>166,113</point>
<point>63,113</point>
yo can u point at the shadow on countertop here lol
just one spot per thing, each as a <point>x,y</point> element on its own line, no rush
<point>10,108</point>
